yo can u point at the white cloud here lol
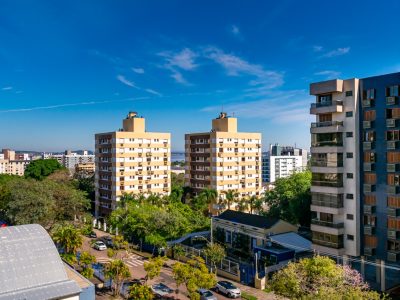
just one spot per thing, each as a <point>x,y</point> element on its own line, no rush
<point>7,88</point>
<point>183,60</point>
<point>235,30</point>
<point>138,70</point>
<point>151,91</point>
<point>337,52</point>
<point>236,66</point>
<point>125,81</point>
<point>279,107</point>
<point>179,77</point>
<point>317,48</point>
<point>329,74</point>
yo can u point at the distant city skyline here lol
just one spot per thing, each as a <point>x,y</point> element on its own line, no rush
<point>71,69</point>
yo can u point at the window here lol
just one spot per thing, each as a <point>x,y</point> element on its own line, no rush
<point>349,134</point>
<point>349,217</point>
<point>392,135</point>
<point>349,114</point>
<point>392,91</point>
<point>350,237</point>
<point>325,99</point>
<point>369,94</point>
<point>349,196</point>
<point>350,175</point>
<point>349,93</point>
<point>349,155</point>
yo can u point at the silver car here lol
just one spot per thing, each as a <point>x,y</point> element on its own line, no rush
<point>206,295</point>
<point>227,288</point>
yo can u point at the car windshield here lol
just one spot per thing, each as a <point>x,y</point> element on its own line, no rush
<point>207,294</point>
<point>230,285</point>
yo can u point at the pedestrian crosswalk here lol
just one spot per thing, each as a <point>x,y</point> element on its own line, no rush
<point>131,260</point>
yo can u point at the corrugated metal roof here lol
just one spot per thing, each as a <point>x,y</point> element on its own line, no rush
<point>292,241</point>
<point>30,266</point>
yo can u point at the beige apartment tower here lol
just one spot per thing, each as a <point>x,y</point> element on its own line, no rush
<point>224,159</point>
<point>130,160</point>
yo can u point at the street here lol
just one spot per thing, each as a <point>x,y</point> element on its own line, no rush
<point>135,263</point>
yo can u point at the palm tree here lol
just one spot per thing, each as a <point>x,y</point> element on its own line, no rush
<point>68,237</point>
<point>230,197</point>
<point>253,202</point>
<point>209,196</point>
<point>125,199</point>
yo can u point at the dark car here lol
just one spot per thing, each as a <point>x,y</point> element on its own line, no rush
<point>92,235</point>
<point>108,241</point>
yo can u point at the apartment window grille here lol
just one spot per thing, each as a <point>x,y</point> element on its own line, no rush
<point>349,134</point>
<point>350,237</point>
<point>350,175</point>
<point>349,196</point>
<point>350,217</point>
<point>349,93</point>
<point>349,114</point>
<point>349,155</point>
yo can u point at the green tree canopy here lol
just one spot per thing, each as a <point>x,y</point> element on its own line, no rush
<point>68,237</point>
<point>291,198</point>
<point>41,168</point>
<point>142,292</point>
<point>215,253</point>
<point>320,278</point>
<point>153,267</point>
<point>118,272</point>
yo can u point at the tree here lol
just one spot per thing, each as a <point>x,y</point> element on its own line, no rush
<point>320,278</point>
<point>41,168</point>
<point>86,260</point>
<point>291,198</point>
<point>178,251</point>
<point>215,253</point>
<point>153,267</point>
<point>68,237</point>
<point>142,292</point>
<point>230,197</point>
<point>118,272</point>
<point>194,275</point>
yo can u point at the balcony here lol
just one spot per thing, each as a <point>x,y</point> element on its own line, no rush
<point>393,234</point>
<point>369,166</point>
<point>392,189</point>
<point>333,143</point>
<point>368,124</point>
<point>391,123</point>
<point>393,212</point>
<point>393,256</point>
<point>327,183</point>
<point>368,188</point>
<point>335,245</point>
<point>368,145</point>
<point>392,100</point>
<point>368,103</point>
<point>369,251</point>
<point>369,209</point>
<point>327,201</point>
<point>325,163</point>
<point>392,168</point>
<point>327,224</point>
<point>325,127</point>
<point>326,107</point>
<point>369,229</point>
<point>392,145</point>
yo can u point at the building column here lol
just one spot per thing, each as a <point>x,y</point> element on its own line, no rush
<point>383,278</point>
<point>362,267</point>
<point>378,270</point>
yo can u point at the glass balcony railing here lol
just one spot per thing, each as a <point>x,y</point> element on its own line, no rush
<point>326,124</point>
<point>327,224</point>
<point>327,202</point>
<point>327,183</point>
<point>369,229</point>
<point>336,245</point>
<point>391,145</point>
<point>333,143</point>
<point>326,163</point>
<point>326,104</point>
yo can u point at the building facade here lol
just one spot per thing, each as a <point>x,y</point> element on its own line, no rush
<point>131,160</point>
<point>356,172</point>
<point>281,162</point>
<point>71,159</point>
<point>224,159</point>
<point>12,163</point>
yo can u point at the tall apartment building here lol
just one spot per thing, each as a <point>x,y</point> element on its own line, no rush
<point>356,172</point>
<point>224,159</point>
<point>70,159</point>
<point>13,164</point>
<point>130,160</point>
<point>281,162</point>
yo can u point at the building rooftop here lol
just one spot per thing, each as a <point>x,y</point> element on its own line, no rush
<point>30,266</point>
<point>247,219</point>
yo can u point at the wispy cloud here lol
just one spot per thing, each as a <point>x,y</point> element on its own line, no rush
<point>69,105</point>
<point>7,88</point>
<point>175,62</point>
<point>329,74</point>
<point>151,91</point>
<point>127,82</point>
<point>295,109</point>
<point>138,70</point>
<point>237,66</point>
<point>234,29</point>
<point>337,52</point>
<point>317,48</point>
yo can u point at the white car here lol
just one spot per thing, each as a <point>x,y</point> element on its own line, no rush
<point>99,245</point>
<point>227,288</point>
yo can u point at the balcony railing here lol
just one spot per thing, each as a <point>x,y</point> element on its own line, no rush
<point>327,183</point>
<point>368,145</point>
<point>391,123</point>
<point>368,103</point>
<point>327,224</point>
<point>327,163</point>
<point>393,212</point>
<point>391,100</point>
<point>327,144</point>
<point>328,202</point>
<point>369,209</point>
<point>391,145</point>
<point>393,234</point>
<point>369,229</point>
<point>326,104</point>
<point>326,124</point>
<point>368,188</point>
<point>393,256</point>
<point>392,168</point>
<point>368,124</point>
<point>336,245</point>
<point>369,251</point>
<point>392,189</point>
<point>369,166</point>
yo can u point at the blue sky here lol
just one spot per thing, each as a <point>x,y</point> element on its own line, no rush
<point>69,69</point>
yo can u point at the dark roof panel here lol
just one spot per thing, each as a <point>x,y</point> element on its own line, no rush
<point>247,219</point>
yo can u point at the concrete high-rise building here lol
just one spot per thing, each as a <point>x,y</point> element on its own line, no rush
<point>281,162</point>
<point>13,164</point>
<point>131,160</point>
<point>71,159</point>
<point>356,173</point>
<point>224,159</point>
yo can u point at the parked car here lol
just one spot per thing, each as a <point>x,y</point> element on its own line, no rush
<point>99,245</point>
<point>92,235</point>
<point>227,288</point>
<point>108,241</point>
<point>206,295</point>
<point>161,289</point>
